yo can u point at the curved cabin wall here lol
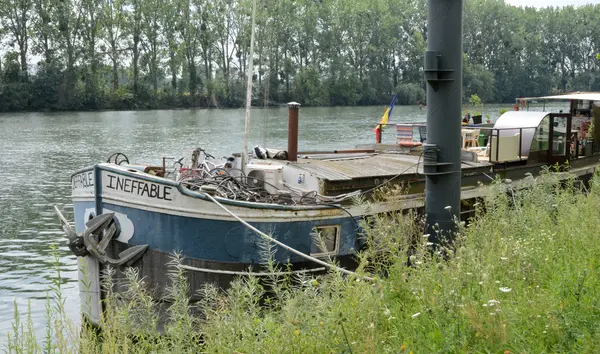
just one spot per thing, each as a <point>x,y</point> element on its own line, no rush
<point>514,128</point>
<point>540,144</point>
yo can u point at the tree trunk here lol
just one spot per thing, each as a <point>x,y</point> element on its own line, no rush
<point>192,71</point>
<point>23,57</point>
<point>173,70</point>
<point>136,57</point>
<point>115,73</point>
<point>154,71</point>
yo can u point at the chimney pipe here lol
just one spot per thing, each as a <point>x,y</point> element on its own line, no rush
<point>292,150</point>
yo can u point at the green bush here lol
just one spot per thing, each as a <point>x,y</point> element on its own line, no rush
<point>410,94</point>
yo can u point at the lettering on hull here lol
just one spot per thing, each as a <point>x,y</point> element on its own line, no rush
<point>139,188</point>
<point>83,180</point>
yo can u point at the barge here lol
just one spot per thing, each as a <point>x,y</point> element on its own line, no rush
<point>132,214</point>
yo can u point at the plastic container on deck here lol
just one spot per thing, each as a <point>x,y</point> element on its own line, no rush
<point>482,139</point>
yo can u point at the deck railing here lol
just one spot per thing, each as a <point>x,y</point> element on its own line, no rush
<point>495,135</point>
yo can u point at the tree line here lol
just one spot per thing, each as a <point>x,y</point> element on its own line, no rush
<point>138,54</point>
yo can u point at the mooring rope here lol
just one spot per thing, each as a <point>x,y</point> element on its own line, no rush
<point>282,245</point>
<point>256,274</point>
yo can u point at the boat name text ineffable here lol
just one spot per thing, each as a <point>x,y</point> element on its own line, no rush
<point>83,180</point>
<point>138,187</point>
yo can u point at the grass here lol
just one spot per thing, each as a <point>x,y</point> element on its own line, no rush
<point>521,278</point>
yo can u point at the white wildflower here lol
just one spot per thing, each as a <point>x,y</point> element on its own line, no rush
<point>503,258</point>
<point>416,315</point>
<point>480,283</point>
<point>505,290</point>
<point>497,281</point>
<point>493,302</point>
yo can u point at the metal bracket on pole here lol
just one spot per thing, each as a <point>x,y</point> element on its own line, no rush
<point>431,164</point>
<point>434,74</point>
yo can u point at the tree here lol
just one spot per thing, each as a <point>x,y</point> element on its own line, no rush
<point>169,21</point>
<point>69,16</point>
<point>90,31</point>
<point>114,22</point>
<point>150,12</point>
<point>134,24</point>
<point>44,27</point>
<point>14,15</point>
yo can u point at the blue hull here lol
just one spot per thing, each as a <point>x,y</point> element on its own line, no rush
<point>222,240</point>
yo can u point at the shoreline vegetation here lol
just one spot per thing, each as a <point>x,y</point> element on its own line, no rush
<point>84,55</point>
<point>519,277</point>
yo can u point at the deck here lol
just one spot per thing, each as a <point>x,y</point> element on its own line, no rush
<point>348,167</point>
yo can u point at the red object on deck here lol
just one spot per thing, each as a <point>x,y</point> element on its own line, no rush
<point>410,143</point>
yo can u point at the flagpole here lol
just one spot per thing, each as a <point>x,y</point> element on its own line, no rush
<point>384,121</point>
<point>249,91</point>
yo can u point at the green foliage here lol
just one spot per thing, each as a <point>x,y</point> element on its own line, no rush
<point>339,52</point>
<point>475,104</point>
<point>410,94</point>
<point>308,85</point>
<point>591,130</point>
<point>478,80</point>
<point>45,87</point>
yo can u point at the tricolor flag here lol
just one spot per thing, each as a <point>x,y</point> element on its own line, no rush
<point>384,120</point>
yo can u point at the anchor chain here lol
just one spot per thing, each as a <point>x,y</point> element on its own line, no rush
<point>93,242</point>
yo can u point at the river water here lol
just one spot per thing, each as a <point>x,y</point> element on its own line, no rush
<point>39,151</point>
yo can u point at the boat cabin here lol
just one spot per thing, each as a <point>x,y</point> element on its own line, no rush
<point>528,137</point>
<point>565,136</point>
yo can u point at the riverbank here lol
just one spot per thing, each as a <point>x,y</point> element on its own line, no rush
<point>520,278</point>
<point>124,101</point>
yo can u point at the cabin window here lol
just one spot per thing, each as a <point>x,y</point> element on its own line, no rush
<point>540,140</point>
<point>325,240</point>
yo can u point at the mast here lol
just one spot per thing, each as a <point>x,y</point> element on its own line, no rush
<point>249,91</point>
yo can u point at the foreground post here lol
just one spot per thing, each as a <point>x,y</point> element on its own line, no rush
<point>292,150</point>
<point>443,72</point>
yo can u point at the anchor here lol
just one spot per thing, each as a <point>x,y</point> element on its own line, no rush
<point>93,241</point>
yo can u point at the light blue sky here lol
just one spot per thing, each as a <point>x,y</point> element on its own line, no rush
<point>541,3</point>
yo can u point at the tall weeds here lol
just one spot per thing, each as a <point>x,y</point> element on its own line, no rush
<point>521,277</point>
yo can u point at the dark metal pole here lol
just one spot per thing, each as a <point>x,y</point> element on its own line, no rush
<point>443,72</point>
<point>292,150</point>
